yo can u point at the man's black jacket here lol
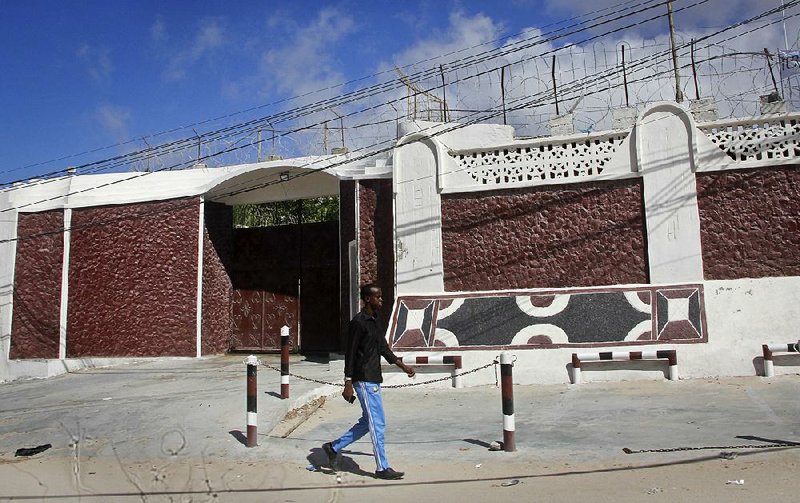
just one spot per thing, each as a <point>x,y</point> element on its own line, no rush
<point>365,346</point>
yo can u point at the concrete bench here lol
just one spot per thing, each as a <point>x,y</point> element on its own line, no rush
<point>439,361</point>
<point>665,354</point>
<point>769,349</point>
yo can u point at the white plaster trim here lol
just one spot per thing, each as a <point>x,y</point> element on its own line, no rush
<point>634,300</point>
<point>200,243</point>
<point>559,303</point>
<point>370,176</point>
<point>556,334</point>
<point>556,181</point>
<point>446,337</point>
<point>680,113</point>
<point>357,215</point>
<point>464,294</point>
<point>63,313</point>
<point>452,308</point>
<point>439,155</point>
<point>546,140</point>
<point>8,257</point>
<point>638,330</point>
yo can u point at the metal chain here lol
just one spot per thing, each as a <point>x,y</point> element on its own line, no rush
<point>495,362</point>
<point>388,386</point>
<point>722,448</point>
<point>408,385</point>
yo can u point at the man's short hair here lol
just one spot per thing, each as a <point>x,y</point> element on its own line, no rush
<point>366,290</point>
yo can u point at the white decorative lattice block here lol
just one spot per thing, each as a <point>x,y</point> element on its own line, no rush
<point>757,140</point>
<point>542,161</point>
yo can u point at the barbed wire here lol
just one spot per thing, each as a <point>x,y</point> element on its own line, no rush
<point>733,80</point>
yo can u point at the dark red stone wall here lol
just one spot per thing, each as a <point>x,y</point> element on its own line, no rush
<point>376,239</point>
<point>133,280</point>
<point>217,328</point>
<point>37,285</point>
<point>565,236</point>
<point>750,222</point>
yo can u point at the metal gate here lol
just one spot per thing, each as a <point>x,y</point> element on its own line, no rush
<point>258,317</point>
<point>286,275</point>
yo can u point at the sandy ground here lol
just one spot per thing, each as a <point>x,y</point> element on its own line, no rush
<point>279,472</point>
<point>766,476</point>
<point>154,435</point>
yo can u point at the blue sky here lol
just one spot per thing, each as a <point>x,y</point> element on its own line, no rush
<point>106,76</point>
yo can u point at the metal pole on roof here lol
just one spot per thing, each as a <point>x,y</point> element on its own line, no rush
<point>503,91</point>
<point>783,18</point>
<point>444,96</point>
<point>694,73</point>
<point>678,92</point>
<point>625,77</point>
<point>771,73</point>
<point>555,89</point>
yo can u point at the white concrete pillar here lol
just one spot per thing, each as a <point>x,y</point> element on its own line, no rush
<point>418,219</point>
<point>8,248</point>
<point>63,313</point>
<point>201,223</point>
<point>665,148</point>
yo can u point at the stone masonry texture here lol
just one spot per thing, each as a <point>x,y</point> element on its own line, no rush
<point>133,280</point>
<point>376,240</point>
<point>217,328</point>
<point>574,235</point>
<point>37,285</point>
<point>750,222</point>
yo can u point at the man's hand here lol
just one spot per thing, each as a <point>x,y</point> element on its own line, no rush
<point>408,370</point>
<point>348,393</point>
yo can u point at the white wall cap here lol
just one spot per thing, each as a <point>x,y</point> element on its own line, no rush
<point>458,136</point>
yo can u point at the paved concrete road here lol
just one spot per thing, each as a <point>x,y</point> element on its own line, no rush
<point>172,431</point>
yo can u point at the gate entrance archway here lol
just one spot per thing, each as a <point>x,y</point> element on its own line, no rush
<point>283,274</point>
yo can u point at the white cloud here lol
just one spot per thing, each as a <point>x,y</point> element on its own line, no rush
<point>461,37</point>
<point>708,14</point>
<point>114,119</point>
<point>97,62</point>
<point>307,60</point>
<point>158,30</point>
<point>208,39</point>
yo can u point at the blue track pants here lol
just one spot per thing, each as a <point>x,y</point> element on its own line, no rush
<point>372,421</point>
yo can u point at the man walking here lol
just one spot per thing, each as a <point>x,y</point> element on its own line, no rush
<point>362,372</point>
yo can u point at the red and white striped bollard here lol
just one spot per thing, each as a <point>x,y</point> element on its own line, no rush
<point>284,362</point>
<point>252,401</point>
<point>507,389</point>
